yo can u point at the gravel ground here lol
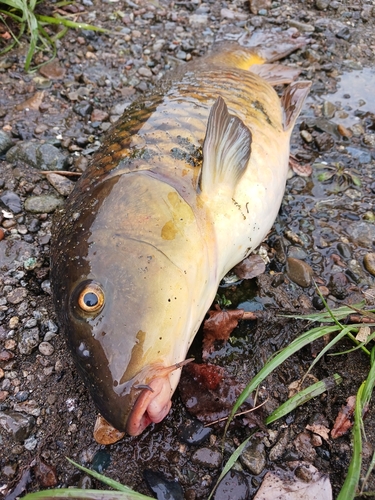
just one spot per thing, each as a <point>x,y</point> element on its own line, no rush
<point>54,119</point>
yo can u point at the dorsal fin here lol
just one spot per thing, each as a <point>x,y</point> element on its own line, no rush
<point>292,101</point>
<point>226,150</point>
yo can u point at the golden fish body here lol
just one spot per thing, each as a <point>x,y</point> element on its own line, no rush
<point>184,187</point>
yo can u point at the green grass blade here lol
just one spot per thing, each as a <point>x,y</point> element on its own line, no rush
<point>324,316</point>
<point>349,489</point>
<point>85,495</point>
<point>272,364</point>
<point>231,461</point>
<point>304,396</point>
<point>69,24</point>
<point>106,480</point>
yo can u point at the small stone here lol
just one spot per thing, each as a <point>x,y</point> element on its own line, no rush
<point>62,184</point>
<point>305,28</point>
<point>98,115</point>
<point>207,458</point>
<point>233,486</point>
<point>17,295</point>
<point>194,432</point>
<point>3,394</point>
<point>257,5</point>
<point>344,34</point>
<point>144,71</point>
<point>43,204</point>
<point>18,424</point>
<point>324,141</point>
<point>181,54</point>
<point>322,4</point>
<point>198,19</point>
<point>46,348</point>
<point>83,108</point>
<point>42,156</point>
<point>253,457</point>
<point>53,70</point>
<point>329,109</point>
<point>28,341</point>
<point>299,272</point>
<point>5,142</point>
<point>369,140</point>
<point>369,263</point>
<point>306,136</point>
<point>11,201</point>
<point>344,132</point>
<point>163,488</point>
<point>338,285</point>
<point>30,443</point>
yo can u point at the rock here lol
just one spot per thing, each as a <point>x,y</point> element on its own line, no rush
<point>322,4</point>
<point>359,154</point>
<point>304,447</point>
<point>5,142</point>
<point>46,348</point>
<point>369,262</point>
<point>42,156</point>
<point>194,432</point>
<point>233,486</point>
<point>253,457</point>
<point>104,433</point>
<point>31,443</point>
<point>18,424</point>
<point>329,109</point>
<point>324,141</point>
<point>98,115</point>
<point>257,5</point>
<point>207,458</point>
<point>163,489</point>
<point>299,272</point>
<point>83,108</point>
<point>17,295</point>
<point>62,184</point>
<point>45,474</point>
<point>11,201</point>
<point>305,28</point>
<point>198,19</point>
<point>53,70</point>
<point>338,285</point>
<point>45,203</point>
<point>28,341</point>
<point>361,233</point>
<point>144,71</point>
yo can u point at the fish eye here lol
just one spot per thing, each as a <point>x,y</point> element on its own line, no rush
<point>91,298</point>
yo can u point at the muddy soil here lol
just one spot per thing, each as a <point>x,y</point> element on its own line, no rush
<point>325,229</point>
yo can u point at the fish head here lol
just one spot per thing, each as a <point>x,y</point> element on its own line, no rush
<point>125,309</point>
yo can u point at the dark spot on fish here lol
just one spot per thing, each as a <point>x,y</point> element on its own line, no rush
<point>259,106</point>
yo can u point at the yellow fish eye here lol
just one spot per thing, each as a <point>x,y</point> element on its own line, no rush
<point>91,298</point>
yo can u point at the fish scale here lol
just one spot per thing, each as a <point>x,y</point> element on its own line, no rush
<point>184,186</point>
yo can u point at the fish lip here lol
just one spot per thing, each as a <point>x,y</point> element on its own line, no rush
<point>155,396</point>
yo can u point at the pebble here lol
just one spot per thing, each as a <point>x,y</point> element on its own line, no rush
<point>369,262</point>
<point>253,457</point>
<point>45,474</point>
<point>322,4</point>
<point>305,28</point>
<point>163,489</point>
<point>11,201</point>
<point>329,109</point>
<point>45,203</point>
<point>143,71</point>
<point>83,108</point>
<point>359,154</point>
<point>361,233</point>
<point>299,272</point>
<point>5,142</point>
<point>28,341</point>
<point>30,443</point>
<point>53,70</point>
<point>46,348</point>
<point>18,424</point>
<point>233,486</point>
<point>62,184</point>
<point>344,132</point>
<point>257,5</point>
<point>338,285</point>
<point>17,295</point>
<point>42,156</point>
<point>194,432</point>
<point>207,458</point>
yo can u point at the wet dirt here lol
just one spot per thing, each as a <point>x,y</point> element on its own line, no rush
<point>326,222</point>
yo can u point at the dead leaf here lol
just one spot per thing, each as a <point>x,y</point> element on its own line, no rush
<point>32,103</point>
<point>219,326</point>
<point>363,333</point>
<point>250,267</point>
<point>304,483</point>
<point>53,70</point>
<point>343,420</point>
<point>320,430</point>
<point>104,433</point>
<point>298,169</point>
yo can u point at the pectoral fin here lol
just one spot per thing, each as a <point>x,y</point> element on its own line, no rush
<point>292,101</point>
<point>275,74</point>
<point>226,150</point>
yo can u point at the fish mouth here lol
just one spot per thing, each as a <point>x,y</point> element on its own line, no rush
<point>153,403</point>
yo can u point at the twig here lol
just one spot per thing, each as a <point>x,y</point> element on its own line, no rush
<point>237,414</point>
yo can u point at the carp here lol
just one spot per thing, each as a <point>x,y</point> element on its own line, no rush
<point>185,185</point>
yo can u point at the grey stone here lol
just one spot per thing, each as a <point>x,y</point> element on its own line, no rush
<point>207,458</point>
<point>253,457</point>
<point>42,156</point>
<point>44,203</point>
<point>18,424</point>
<point>29,340</point>
<point>5,142</point>
<point>11,201</point>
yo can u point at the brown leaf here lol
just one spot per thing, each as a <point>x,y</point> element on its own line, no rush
<point>301,170</point>
<point>32,103</point>
<point>46,474</point>
<point>219,326</point>
<point>320,430</point>
<point>343,421</point>
<point>250,267</point>
<point>105,433</point>
<point>53,70</point>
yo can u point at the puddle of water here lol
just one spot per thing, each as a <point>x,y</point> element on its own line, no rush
<point>355,93</point>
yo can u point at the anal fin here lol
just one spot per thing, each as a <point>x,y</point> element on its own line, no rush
<point>226,150</point>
